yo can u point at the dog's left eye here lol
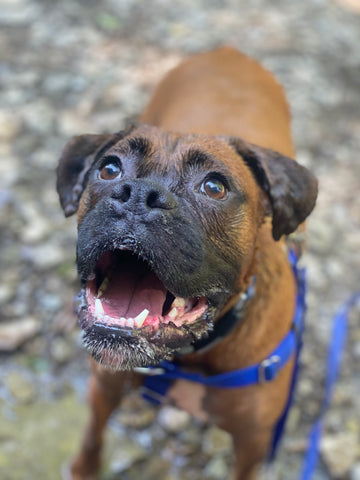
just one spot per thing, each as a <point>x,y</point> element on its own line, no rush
<point>109,171</point>
<point>215,188</point>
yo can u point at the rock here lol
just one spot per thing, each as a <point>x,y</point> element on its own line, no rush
<point>61,350</point>
<point>43,256</point>
<point>355,472</point>
<point>140,416</point>
<point>293,421</point>
<point>156,469</point>
<point>340,451</point>
<point>13,334</point>
<point>72,123</point>
<point>173,420</point>
<point>14,16</point>
<point>216,469</point>
<point>39,118</point>
<point>217,442</point>
<point>126,454</point>
<point>9,126</point>
<point>36,225</point>
<point>6,293</point>
<point>50,302</point>
<point>356,350</point>
<point>352,5</point>
<point>20,387</point>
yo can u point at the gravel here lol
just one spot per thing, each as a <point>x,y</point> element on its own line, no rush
<point>81,66</point>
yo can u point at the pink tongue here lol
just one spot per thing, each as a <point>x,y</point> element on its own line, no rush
<point>128,295</point>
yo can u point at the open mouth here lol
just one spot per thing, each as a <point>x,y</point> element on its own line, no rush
<point>125,294</point>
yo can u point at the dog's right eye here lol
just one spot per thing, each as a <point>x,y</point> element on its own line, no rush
<point>109,171</point>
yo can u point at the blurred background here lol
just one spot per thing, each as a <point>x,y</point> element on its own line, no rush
<point>87,66</point>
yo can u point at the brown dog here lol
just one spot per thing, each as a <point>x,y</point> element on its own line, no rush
<point>176,219</point>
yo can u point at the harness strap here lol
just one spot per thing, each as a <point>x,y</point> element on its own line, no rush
<point>265,371</point>
<point>300,276</point>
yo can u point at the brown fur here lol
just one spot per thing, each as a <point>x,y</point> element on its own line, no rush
<point>219,93</point>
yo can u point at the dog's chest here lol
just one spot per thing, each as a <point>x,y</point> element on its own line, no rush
<point>190,397</point>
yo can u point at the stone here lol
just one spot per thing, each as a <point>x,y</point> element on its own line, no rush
<point>173,420</point>
<point>216,469</point>
<point>43,256</point>
<point>15,333</point>
<point>217,442</point>
<point>355,472</point>
<point>138,418</point>
<point>61,350</point>
<point>340,451</point>
<point>9,126</point>
<point>126,454</point>
<point>20,387</point>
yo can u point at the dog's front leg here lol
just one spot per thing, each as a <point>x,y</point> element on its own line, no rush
<point>106,389</point>
<point>250,453</point>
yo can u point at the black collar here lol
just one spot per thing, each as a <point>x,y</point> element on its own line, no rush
<point>225,324</point>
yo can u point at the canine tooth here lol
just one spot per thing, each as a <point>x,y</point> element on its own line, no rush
<point>98,307</point>
<point>103,286</point>
<point>179,302</point>
<point>173,312</point>
<point>129,323</point>
<point>140,319</point>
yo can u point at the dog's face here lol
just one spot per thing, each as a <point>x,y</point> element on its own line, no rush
<point>167,232</point>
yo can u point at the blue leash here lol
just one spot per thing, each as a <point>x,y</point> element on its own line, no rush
<point>334,358</point>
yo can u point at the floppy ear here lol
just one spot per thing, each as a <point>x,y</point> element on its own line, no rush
<point>291,188</point>
<point>74,164</point>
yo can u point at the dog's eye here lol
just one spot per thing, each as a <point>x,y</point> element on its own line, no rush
<point>215,188</point>
<point>109,171</point>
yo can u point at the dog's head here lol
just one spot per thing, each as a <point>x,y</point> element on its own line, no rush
<point>167,233</point>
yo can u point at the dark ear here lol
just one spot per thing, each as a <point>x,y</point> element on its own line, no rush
<point>291,188</point>
<point>74,164</point>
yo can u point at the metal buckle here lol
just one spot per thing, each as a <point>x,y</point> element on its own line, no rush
<point>149,394</point>
<point>264,368</point>
<point>149,371</point>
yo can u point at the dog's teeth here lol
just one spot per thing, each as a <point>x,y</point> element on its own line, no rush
<point>122,322</point>
<point>140,319</point>
<point>103,286</point>
<point>98,307</point>
<point>179,302</point>
<point>173,312</point>
<point>129,323</point>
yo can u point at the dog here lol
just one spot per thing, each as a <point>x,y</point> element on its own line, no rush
<point>177,218</point>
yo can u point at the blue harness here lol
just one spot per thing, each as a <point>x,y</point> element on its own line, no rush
<point>159,378</point>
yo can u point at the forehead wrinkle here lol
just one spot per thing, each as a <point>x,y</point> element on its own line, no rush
<point>196,159</point>
<point>164,158</point>
<point>140,145</point>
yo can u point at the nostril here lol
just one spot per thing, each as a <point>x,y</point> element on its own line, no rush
<point>153,199</point>
<point>125,193</point>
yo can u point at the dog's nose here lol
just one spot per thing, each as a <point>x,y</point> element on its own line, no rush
<point>142,195</point>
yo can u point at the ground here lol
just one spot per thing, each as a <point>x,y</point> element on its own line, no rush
<point>72,67</point>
